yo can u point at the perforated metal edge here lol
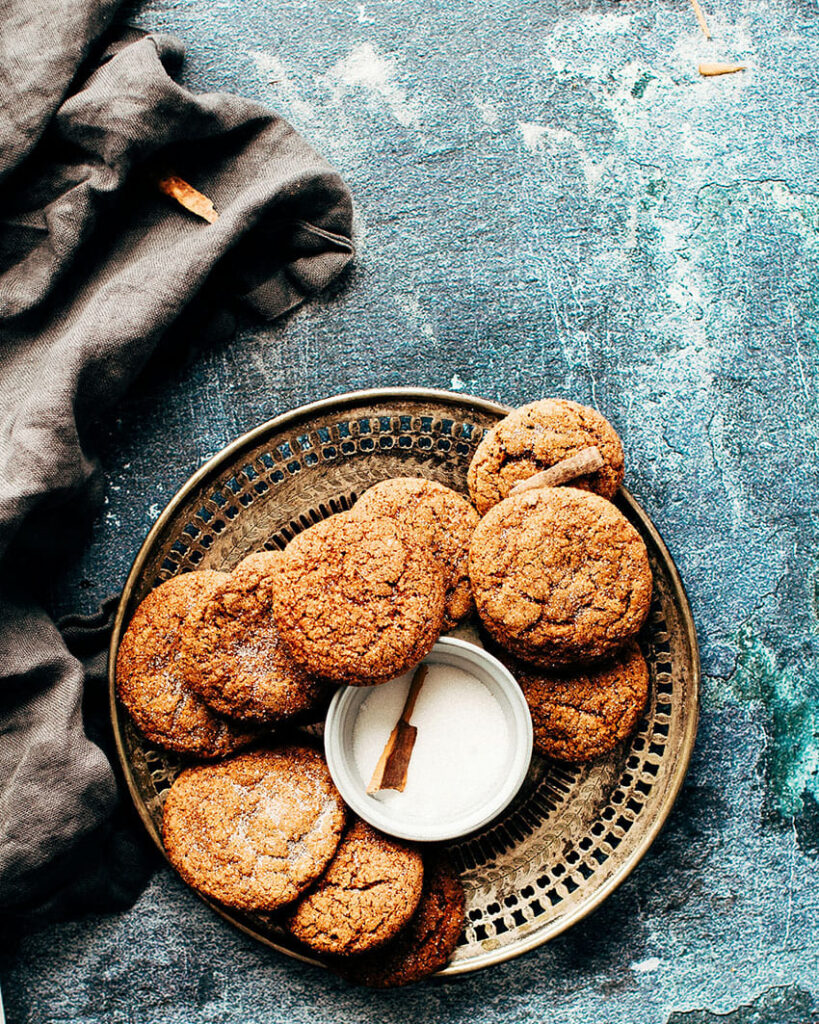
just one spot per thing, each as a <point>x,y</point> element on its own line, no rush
<point>341,402</point>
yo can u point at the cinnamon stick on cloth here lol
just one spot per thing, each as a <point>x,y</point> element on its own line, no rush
<point>95,266</point>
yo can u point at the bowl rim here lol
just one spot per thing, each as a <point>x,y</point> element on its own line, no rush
<point>345,777</point>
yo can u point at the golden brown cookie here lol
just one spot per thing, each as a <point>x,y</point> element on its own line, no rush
<point>253,832</point>
<point>151,678</point>
<point>537,436</point>
<point>366,896</point>
<point>237,662</point>
<point>579,716</point>
<point>358,601</point>
<point>442,520</point>
<point>560,576</point>
<point>427,942</point>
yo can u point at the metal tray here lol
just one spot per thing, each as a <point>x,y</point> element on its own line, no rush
<point>573,834</point>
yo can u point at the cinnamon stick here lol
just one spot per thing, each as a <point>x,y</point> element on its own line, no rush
<point>391,770</point>
<point>186,195</point>
<point>709,70</point>
<point>587,460</point>
<point>701,18</point>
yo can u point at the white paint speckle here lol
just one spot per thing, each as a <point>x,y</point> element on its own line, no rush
<point>538,138</point>
<point>365,69</point>
<point>411,305</point>
<point>153,512</point>
<point>487,110</point>
<point>457,384</point>
<point>361,14</point>
<point>646,966</point>
<point>533,135</point>
<point>282,86</point>
<point>567,48</point>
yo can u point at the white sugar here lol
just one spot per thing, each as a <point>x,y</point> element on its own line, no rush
<point>461,752</point>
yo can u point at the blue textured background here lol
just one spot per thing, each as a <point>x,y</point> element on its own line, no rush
<point>550,200</point>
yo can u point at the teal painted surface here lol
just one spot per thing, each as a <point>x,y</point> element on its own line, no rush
<point>550,200</point>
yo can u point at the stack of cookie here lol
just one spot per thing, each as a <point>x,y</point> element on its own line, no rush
<point>211,661</point>
<point>363,596</point>
<point>265,831</point>
<point>202,669</point>
<point>561,579</point>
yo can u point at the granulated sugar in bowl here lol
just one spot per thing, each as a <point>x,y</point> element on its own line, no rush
<point>471,752</point>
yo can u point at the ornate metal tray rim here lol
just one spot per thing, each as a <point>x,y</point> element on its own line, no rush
<point>339,402</point>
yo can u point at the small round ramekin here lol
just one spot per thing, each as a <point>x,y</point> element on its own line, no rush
<point>338,747</point>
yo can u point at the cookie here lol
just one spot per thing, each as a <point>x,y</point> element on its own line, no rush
<point>151,678</point>
<point>536,436</point>
<point>560,576</point>
<point>427,942</point>
<point>585,714</point>
<point>442,520</point>
<point>237,661</point>
<point>253,832</point>
<point>366,896</point>
<point>358,600</point>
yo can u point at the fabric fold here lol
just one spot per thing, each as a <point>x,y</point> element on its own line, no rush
<point>95,266</point>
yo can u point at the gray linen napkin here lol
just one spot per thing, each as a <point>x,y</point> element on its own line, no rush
<point>95,267</point>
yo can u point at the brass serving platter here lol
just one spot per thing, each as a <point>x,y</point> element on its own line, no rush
<point>573,834</point>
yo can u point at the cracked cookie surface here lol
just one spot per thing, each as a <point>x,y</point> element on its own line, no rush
<point>581,716</point>
<point>368,893</point>
<point>535,437</point>
<point>427,942</point>
<point>358,601</point>
<point>560,576</point>
<point>237,662</point>
<point>152,678</point>
<point>253,832</point>
<point>444,522</point>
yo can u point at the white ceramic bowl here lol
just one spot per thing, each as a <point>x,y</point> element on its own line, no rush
<point>338,746</point>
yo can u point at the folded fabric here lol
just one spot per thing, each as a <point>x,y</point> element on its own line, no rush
<point>95,266</point>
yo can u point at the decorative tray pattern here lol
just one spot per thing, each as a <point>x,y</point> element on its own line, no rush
<point>573,833</point>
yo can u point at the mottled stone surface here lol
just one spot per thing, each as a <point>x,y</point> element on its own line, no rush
<point>550,201</point>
